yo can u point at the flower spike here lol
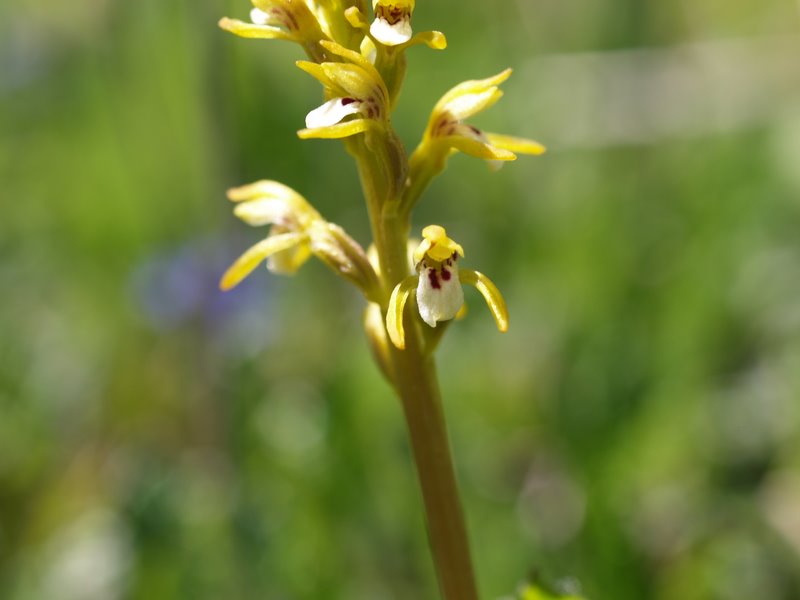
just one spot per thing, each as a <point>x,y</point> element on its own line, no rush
<point>437,286</point>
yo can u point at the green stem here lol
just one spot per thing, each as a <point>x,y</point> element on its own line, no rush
<point>416,384</point>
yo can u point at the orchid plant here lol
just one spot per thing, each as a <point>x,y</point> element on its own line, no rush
<point>412,288</point>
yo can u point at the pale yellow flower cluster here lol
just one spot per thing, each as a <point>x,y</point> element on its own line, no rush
<point>361,64</point>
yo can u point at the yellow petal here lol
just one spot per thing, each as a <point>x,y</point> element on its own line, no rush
<point>477,148</point>
<point>515,144</point>
<point>465,105</point>
<point>436,244</point>
<point>254,255</point>
<point>422,250</point>
<point>494,299</point>
<point>356,18</point>
<point>340,130</point>
<point>318,73</point>
<point>474,86</point>
<point>350,78</point>
<point>407,4</point>
<point>394,316</point>
<point>263,188</point>
<point>357,59</point>
<point>251,30</point>
<point>269,201</point>
<point>289,261</point>
<point>432,39</point>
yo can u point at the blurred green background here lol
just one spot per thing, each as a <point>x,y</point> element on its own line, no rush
<point>638,428</point>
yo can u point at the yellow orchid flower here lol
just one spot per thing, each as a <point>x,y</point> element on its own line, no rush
<point>384,41</point>
<point>392,24</point>
<point>287,246</point>
<point>332,18</point>
<point>437,285</point>
<point>433,39</point>
<point>297,231</point>
<point>291,20</point>
<point>447,131</point>
<point>353,88</point>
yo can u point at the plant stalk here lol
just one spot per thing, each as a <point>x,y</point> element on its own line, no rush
<point>416,384</point>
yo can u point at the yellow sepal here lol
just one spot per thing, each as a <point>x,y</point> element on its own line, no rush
<point>339,130</point>
<point>486,86</point>
<point>477,148</point>
<point>494,299</point>
<point>348,78</point>
<point>436,244</point>
<point>394,316</point>
<point>356,18</point>
<point>515,144</point>
<point>317,72</point>
<point>264,188</point>
<point>408,4</point>
<point>254,255</point>
<point>251,30</point>
<point>355,58</point>
<point>270,190</point>
<point>432,39</point>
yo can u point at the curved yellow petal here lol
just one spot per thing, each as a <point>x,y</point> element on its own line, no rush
<point>515,144</point>
<point>252,30</point>
<point>349,78</point>
<point>254,255</point>
<point>273,195</point>
<point>494,299</point>
<point>406,4</point>
<point>356,18</point>
<point>477,148</point>
<point>264,188</point>
<point>433,39</point>
<point>357,59</point>
<point>421,250</point>
<point>464,106</point>
<point>317,72</point>
<point>394,316</point>
<point>437,245</point>
<point>473,86</point>
<point>340,130</point>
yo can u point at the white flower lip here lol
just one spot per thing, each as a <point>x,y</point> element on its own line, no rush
<point>391,35</point>
<point>439,292</point>
<point>332,112</point>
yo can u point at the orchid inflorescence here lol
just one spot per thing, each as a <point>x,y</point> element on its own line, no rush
<point>411,286</point>
<point>357,63</point>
